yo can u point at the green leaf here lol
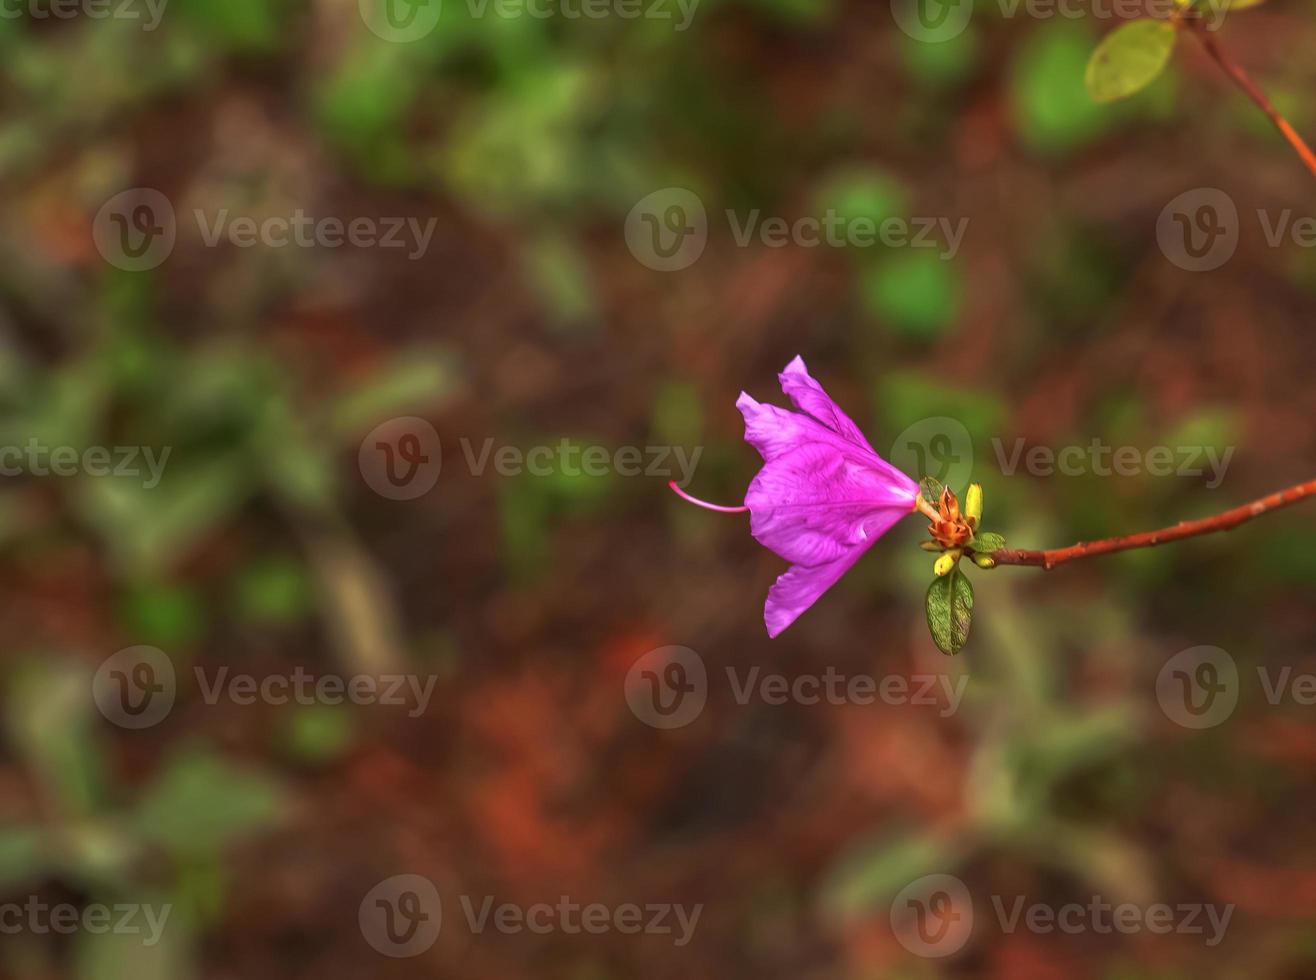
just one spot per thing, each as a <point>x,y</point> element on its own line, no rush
<point>916,293</point>
<point>875,870</point>
<point>950,611</point>
<point>930,487</point>
<point>418,380</point>
<point>160,948</point>
<point>987,542</point>
<point>201,802</point>
<point>23,855</point>
<point>1129,58</point>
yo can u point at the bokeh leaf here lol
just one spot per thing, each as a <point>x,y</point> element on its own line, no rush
<point>950,611</point>
<point>201,802</point>
<point>1129,58</point>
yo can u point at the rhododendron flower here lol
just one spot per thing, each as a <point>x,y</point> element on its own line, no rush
<point>822,497</point>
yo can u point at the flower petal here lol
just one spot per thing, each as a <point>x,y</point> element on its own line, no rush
<point>808,396</point>
<point>813,503</point>
<point>801,585</point>
<point>774,431</point>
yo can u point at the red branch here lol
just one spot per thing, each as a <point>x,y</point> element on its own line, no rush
<point>1252,90</point>
<point>1147,539</point>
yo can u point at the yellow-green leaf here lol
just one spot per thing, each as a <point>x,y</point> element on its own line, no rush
<point>1129,58</point>
<point>950,611</point>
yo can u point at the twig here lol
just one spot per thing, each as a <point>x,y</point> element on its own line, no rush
<point>1185,529</point>
<point>1252,90</point>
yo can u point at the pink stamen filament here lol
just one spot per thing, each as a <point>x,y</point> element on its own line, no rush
<point>703,503</point>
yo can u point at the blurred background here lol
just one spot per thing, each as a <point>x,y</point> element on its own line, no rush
<point>323,328</point>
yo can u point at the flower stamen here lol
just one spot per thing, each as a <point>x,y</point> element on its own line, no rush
<point>704,503</point>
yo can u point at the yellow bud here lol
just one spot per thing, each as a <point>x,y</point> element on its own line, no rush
<point>973,503</point>
<point>983,561</point>
<point>946,562</point>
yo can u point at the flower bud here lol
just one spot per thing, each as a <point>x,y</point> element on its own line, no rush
<point>946,562</point>
<point>983,561</point>
<point>973,503</point>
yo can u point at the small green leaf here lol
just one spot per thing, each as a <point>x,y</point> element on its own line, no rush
<point>200,802</point>
<point>1129,58</point>
<point>987,542</point>
<point>950,611</point>
<point>930,487</point>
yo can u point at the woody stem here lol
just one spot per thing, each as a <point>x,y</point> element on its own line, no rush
<point>1250,88</point>
<point>1147,539</point>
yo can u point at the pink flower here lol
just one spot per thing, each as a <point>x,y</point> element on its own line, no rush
<point>822,497</point>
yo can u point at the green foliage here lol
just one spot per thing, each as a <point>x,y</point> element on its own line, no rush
<point>914,291</point>
<point>950,611</point>
<point>987,542</point>
<point>200,803</point>
<point>862,192</point>
<point>905,397</point>
<point>1129,58</point>
<point>317,733</point>
<point>273,590</point>
<point>945,62</point>
<point>875,870</point>
<point>1049,102</point>
<point>165,615</point>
